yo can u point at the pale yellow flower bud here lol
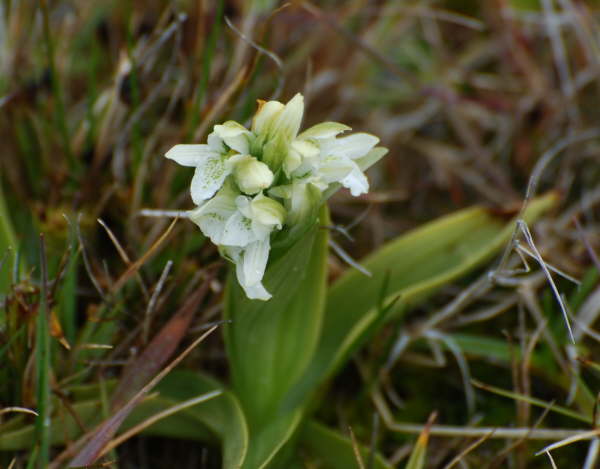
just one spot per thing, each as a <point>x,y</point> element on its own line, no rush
<point>251,175</point>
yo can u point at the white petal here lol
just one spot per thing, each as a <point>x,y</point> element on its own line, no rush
<point>260,230</point>
<point>301,158</point>
<point>244,259</point>
<point>230,129</point>
<point>267,211</point>
<point>190,155</point>
<point>254,261</point>
<point>324,130</point>
<point>265,116</point>
<point>238,231</point>
<point>353,146</point>
<point>234,135</point>
<point>292,161</point>
<point>211,224</point>
<point>243,205</point>
<point>356,181</point>
<point>213,215</point>
<point>334,168</point>
<point>239,144</point>
<point>305,148</point>
<point>371,158</point>
<point>208,178</point>
<point>288,122</point>
<point>257,292</point>
<point>216,143</point>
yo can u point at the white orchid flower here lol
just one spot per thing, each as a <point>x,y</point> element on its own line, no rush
<point>250,183</point>
<point>242,226</point>
<point>275,126</point>
<point>266,215</point>
<point>213,160</point>
<point>338,160</point>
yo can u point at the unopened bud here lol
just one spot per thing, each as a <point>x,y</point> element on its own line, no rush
<point>251,175</point>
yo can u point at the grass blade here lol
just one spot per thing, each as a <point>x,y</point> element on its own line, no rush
<point>100,437</point>
<point>413,267</point>
<point>417,457</point>
<point>42,361</point>
<point>8,246</point>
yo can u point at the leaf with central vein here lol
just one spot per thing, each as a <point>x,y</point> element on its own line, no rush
<point>271,343</point>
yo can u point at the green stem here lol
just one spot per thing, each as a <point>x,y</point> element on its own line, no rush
<point>42,358</point>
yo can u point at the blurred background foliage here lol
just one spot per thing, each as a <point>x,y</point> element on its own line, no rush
<point>469,96</point>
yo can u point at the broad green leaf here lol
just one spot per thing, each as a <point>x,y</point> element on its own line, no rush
<point>411,268</point>
<point>219,419</point>
<point>222,415</point>
<point>271,343</point>
<point>334,449</point>
<point>269,444</point>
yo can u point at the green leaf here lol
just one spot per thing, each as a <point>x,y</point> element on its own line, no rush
<point>333,449</point>
<point>271,343</point>
<point>222,415</point>
<point>412,268</point>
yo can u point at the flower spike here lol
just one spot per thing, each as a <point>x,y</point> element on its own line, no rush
<point>250,184</point>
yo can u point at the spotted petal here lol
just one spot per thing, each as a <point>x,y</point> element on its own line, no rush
<point>238,231</point>
<point>208,178</point>
<point>213,215</point>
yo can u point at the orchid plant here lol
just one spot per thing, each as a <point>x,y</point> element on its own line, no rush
<point>249,185</point>
<point>260,196</point>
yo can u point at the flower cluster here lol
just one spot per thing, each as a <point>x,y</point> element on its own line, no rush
<point>250,183</point>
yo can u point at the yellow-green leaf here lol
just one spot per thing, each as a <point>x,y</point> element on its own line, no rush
<point>409,268</point>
